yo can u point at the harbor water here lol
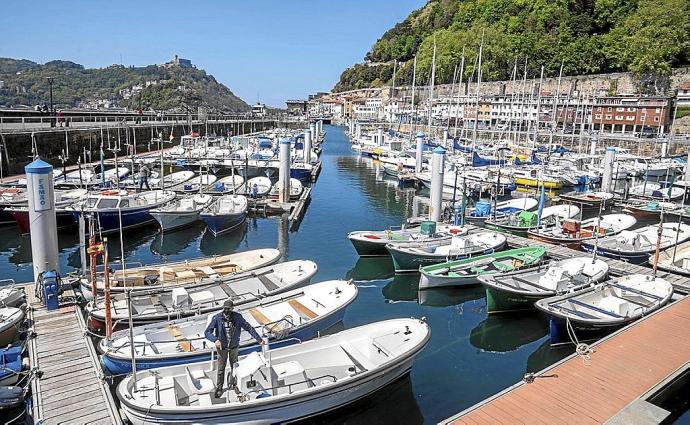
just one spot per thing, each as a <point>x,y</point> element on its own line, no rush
<point>470,356</point>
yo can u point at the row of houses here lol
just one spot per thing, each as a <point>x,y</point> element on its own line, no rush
<point>620,113</point>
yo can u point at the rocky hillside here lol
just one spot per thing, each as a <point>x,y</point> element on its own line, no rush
<point>646,37</point>
<point>166,87</point>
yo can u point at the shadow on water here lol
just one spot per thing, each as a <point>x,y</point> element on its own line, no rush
<point>546,355</point>
<point>222,244</point>
<point>393,404</point>
<point>176,241</point>
<point>508,332</point>
<point>371,268</point>
<point>405,287</point>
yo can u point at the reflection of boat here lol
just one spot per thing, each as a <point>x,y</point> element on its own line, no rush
<point>443,297</point>
<point>315,376</point>
<point>502,334</point>
<point>226,242</point>
<point>175,242</point>
<point>371,268</point>
<point>546,355</point>
<point>403,287</point>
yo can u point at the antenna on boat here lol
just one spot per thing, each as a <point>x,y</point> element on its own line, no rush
<point>131,338</point>
<point>680,221</point>
<point>596,232</point>
<point>659,233</point>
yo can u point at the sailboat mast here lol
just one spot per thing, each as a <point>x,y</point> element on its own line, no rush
<point>554,109</point>
<point>479,83</point>
<point>414,108</point>
<point>431,88</point>
<point>457,104</point>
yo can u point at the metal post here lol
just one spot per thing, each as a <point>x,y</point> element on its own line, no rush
<point>284,171</point>
<point>106,292</point>
<point>131,339</point>
<point>306,147</point>
<point>420,143</point>
<point>437,171</point>
<point>607,177</point>
<point>44,240</point>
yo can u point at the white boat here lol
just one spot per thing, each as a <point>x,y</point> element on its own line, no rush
<point>675,259</point>
<point>226,185</point>
<point>10,318</point>
<point>296,189</point>
<point>655,191</point>
<point>571,233</point>
<point>181,212</point>
<point>195,184</point>
<point>297,314</point>
<point>370,243</point>
<point>11,295</point>
<point>186,272</point>
<point>225,214</point>
<point>258,186</point>
<point>606,306</point>
<point>637,245</point>
<point>484,210</point>
<point>168,303</point>
<point>170,180</point>
<point>280,385</point>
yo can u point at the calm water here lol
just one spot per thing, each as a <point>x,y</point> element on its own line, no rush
<point>470,356</point>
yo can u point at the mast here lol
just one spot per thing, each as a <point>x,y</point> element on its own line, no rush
<point>479,83</point>
<point>457,104</point>
<point>431,88</point>
<point>450,101</point>
<point>555,105</point>
<point>536,129</point>
<point>414,108</point>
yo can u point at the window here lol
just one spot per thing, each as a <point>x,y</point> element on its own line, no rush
<point>619,117</point>
<point>599,109</point>
<point>657,110</point>
<point>631,109</point>
<point>630,118</point>
<point>620,109</point>
<point>597,116</point>
<point>656,119</point>
<point>608,116</point>
<point>108,203</point>
<point>609,109</point>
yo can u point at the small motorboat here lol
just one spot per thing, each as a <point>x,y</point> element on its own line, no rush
<point>159,304</point>
<point>187,272</point>
<point>284,318</point>
<point>283,384</point>
<point>11,295</point>
<point>195,184</point>
<point>120,209</point>
<point>170,180</point>
<point>588,200</point>
<point>181,212</point>
<point>521,223</point>
<point>650,190</point>
<point>226,185</point>
<point>373,243</point>
<point>225,214</point>
<point>637,245</point>
<point>675,259</point>
<point>296,189</point>
<point>467,271</point>
<point>258,186</point>
<point>485,210</point>
<point>409,257</point>
<point>10,365</point>
<point>518,290</point>
<point>10,319</point>
<point>605,307</point>
<point>63,218</point>
<point>571,233</point>
<point>646,209</point>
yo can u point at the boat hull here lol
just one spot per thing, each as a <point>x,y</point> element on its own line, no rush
<point>570,243</point>
<point>521,181</point>
<point>631,257</point>
<point>109,221</point>
<point>430,281</point>
<point>404,262</point>
<point>584,331</point>
<point>64,220</point>
<point>515,230</point>
<point>175,220</point>
<point>498,301</point>
<point>218,224</point>
<point>374,248</point>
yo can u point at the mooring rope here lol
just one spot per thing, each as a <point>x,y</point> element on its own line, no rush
<point>581,349</point>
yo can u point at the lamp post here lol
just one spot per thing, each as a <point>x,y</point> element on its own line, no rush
<point>50,83</point>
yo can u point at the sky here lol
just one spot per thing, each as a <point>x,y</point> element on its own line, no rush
<point>266,50</point>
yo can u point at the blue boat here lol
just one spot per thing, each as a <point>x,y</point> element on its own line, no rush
<point>119,208</point>
<point>226,214</point>
<point>285,319</point>
<point>301,171</point>
<point>10,365</point>
<point>479,161</point>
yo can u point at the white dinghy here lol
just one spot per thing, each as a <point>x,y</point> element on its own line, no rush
<point>181,212</point>
<point>284,318</point>
<point>258,186</point>
<point>285,384</point>
<point>11,295</point>
<point>10,318</point>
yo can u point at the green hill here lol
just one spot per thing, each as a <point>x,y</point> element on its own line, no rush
<point>646,37</point>
<point>26,83</point>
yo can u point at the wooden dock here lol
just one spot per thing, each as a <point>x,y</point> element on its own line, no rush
<point>70,390</point>
<point>621,369</point>
<point>680,283</point>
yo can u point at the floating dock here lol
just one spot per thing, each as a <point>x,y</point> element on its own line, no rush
<point>71,389</point>
<point>622,368</point>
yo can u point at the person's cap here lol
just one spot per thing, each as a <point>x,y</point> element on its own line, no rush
<point>228,305</point>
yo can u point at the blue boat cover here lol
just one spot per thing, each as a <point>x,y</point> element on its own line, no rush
<point>482,209</point>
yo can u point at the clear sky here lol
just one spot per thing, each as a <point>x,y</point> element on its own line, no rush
<point>270,49</point>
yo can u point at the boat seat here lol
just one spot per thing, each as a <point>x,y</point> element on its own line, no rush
<point>187,204</point>
<point>291,373</point>
<point>167,393</point>
<point>616,305</point>
<point>226,206</point>
<point>268,283</point>
<point>201,297</point>
<point>208,271</point>
<point>183,343</point>
<point>360,360</point>
<point>201,385</point>
<point>304,312</point>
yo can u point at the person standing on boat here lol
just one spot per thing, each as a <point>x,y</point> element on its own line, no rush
<point>144,174</point>
<point>224,330</point>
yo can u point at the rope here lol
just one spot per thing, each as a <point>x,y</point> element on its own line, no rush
<point>581,349</point>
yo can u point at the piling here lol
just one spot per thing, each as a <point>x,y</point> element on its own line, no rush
<point>445,139</point>
<point>420,144</point>
<point>380,136</point>
<point>312,129</point>
<point>664,147</point>
<point>358,131</point>
<point>284,171</point>
<point>307,147</point>
<point>437,170</point>
<point>687,169</point>
<point>607,177</point>
<point>593,147</point>
<point>41,194</point>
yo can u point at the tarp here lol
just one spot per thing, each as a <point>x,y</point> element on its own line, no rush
<point>482,209</point>
<point>478,161</point>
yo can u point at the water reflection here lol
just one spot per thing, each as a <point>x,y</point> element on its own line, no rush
<point>222,244</point>
<point>371,268</point>
<point>443,297</point>
<point>546,355</point>
<point>504,333</point>
<point>393,404</point>
<point>403,287</point>
<point>175,242</point>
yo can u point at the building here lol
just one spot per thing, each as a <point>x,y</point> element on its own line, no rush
<point>630,113</point>
<point>259,110</point>
<point>682,95</point>
<point>296,107</point>
<point>178,61</point>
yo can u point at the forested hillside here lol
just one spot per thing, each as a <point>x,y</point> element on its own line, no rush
<point>26,83</point>
<point>646,37</point>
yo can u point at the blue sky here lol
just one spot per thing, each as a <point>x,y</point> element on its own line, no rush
<point>273,49</point>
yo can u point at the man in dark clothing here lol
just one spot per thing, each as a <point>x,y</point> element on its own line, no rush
<point>224,330</point>
<point>144,174</point>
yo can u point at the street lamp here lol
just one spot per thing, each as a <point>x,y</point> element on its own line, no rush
<point>50,83</point>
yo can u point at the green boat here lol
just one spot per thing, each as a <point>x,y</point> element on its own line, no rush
<point>521,223</point>
<point>466,271</point>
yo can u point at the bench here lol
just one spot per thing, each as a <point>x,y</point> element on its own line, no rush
<point>360,360</point>
<point>167,394</point>
<point>201,385</point>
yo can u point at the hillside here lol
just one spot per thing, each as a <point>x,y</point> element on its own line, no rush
<point>646,37</point>
<point>168,87</point>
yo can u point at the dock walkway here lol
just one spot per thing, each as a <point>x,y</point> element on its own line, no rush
<point>616,267</point>
<point>622,368</point>
<point>71,390</point>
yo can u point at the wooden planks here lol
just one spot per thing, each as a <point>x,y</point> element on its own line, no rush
<point>70,390</point>
<point>622,368</point>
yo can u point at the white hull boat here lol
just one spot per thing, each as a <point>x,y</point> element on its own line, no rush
<point>181,212</point>
<point>10,318</point>
<point>281,385</point>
